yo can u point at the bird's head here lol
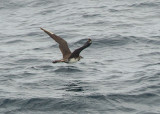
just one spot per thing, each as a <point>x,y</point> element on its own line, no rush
<point>89,41</point>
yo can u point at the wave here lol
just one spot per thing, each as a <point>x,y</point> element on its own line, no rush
<point>126,97</point>
<point>90,15</point>
<point>27,60</point>
<point>78,103</point>
<point>68,69</point>
<point>45,67</point>
<point>150,54</point>
<point>7,4</point>
<point>15,41</point>
<point>117,40</point>
<point>146,4</point>
<point>150,41</point>
<point>32,34</point>
<point>42,104</point>
<point>119,10</point>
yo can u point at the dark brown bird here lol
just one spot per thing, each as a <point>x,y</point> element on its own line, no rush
<point>68,57</point>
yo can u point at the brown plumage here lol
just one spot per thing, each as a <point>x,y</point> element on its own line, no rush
<point>63,46</point>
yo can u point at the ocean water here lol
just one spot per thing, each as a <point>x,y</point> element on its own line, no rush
<point>120,71</point>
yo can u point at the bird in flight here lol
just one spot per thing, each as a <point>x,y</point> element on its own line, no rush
<point>68,57</point>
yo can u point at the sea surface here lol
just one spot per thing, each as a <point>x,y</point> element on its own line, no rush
<point>120,71</point>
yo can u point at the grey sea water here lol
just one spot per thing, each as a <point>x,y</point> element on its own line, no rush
<point>120,71</point>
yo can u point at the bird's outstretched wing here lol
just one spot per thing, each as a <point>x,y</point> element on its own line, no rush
<point>77,51</point>
<point>63,46</point>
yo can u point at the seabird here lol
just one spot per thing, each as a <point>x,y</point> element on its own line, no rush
<point>68,57</point>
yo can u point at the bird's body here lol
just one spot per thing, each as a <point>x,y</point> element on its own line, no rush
<point>73,60</point>
<point>68,57</point>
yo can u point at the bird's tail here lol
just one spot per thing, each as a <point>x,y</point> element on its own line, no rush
<point>58,61</point>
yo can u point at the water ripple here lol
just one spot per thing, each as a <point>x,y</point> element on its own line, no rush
<point>68,69</point>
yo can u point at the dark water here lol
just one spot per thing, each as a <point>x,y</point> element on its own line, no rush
<point>120,72</point>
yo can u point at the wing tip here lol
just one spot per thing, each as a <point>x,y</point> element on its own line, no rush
<point>46,30</point>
